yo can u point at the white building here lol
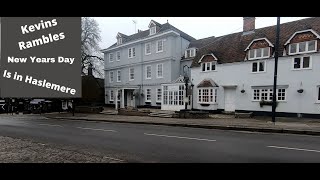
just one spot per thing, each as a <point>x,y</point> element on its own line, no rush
<point>235,72</point>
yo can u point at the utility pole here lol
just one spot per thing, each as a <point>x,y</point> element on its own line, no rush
<point>276,55</point>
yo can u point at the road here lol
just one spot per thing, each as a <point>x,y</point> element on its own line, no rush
<point>151,143</point>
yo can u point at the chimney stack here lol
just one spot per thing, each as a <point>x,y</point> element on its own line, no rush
<point>248,24</point>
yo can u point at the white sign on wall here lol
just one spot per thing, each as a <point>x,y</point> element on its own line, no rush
<point>173,88</point>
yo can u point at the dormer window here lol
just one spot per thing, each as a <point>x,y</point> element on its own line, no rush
<point>302,47</point>
<point>208,66</point>
<point>259,53</point>
<point>190,53</point>
<point>259,49</point>
<point>119,41</point>
<point>152,30</point>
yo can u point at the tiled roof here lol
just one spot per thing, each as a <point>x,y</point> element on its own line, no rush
<point>198,44</point>
<point>230,48</point>
<point>207,83</point>
<point>142,34</point>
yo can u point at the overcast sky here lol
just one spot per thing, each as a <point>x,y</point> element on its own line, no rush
<point>197,27</point>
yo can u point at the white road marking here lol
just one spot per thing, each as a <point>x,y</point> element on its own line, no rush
<point>97,129</point>
<point>298,149</point>
<point>162,135</point>
<point>50,125</point>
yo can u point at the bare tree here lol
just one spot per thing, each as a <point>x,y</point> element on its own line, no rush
<point>90,38</point>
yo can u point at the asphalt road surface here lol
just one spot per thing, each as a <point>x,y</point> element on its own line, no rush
<point>151,143</point>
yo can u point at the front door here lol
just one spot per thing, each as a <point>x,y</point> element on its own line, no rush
<point>229,99</point>
<point>130,98</point>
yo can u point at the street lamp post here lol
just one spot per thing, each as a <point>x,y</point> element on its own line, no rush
<point>186,80</point>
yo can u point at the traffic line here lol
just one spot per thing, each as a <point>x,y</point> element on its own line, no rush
<point>50,125</point>
<point>180,137</point>
<point>297,149</point>
<point>109,130</point>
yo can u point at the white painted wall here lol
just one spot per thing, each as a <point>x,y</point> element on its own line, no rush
<point>240,74</point>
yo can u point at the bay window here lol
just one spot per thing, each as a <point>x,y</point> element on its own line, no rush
<point>206,95</point>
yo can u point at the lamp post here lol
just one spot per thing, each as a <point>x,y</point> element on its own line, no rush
<point>186,80</point>
<point>274,100</point>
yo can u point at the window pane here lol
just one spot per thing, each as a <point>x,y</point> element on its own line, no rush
<point>213,66</point>
<point>258,52</point>
<point>302,46</point>
<point>204,67</point>
<point>251,53</point>
<point>254,67</point>
<point>296,63</point>
<point>293,48</point>
<point>318,93</point>
<point>265,52</point>
<point>256,94</point>
<point>261,66</point>
<point>311,45</point>
<point>306,62</point>
<point>208,66</point>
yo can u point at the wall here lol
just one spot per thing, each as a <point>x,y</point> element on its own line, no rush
<point>240,74</point>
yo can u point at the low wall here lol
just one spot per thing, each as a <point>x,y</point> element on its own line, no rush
<point>88,109</point>
<point>193,114</point>
<point>132,112</point>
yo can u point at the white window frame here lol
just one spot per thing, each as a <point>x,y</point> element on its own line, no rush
<point>258,67</point>
<point>147,72</point>
<point>206,66</point>
<point>111,79</point>
<point>157,46</point>
<point>110,59</point>
<point>268,94</point>
<point>119,41</point>
<point>301,63</point>
<point>192,52</point>
<point>303,52</point>
<point>118,57</point>
<point>111,95</point>
<point>146,99</point>
<point>285,95</point>
<point>118,75</point>
<point>159,100</point>
<point>255,53</point>
<point>131,74</point>
<point>132,54</point>
<point>153,30</point>
<point>145,48</point>
<point>318,93</point>
<point>161,71</point>
<point>210,89</point>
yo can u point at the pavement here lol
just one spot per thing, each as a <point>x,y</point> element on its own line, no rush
<point>217,121</point>
<point>17,150</point>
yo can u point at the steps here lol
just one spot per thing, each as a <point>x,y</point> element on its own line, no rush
<point>165,114</point>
